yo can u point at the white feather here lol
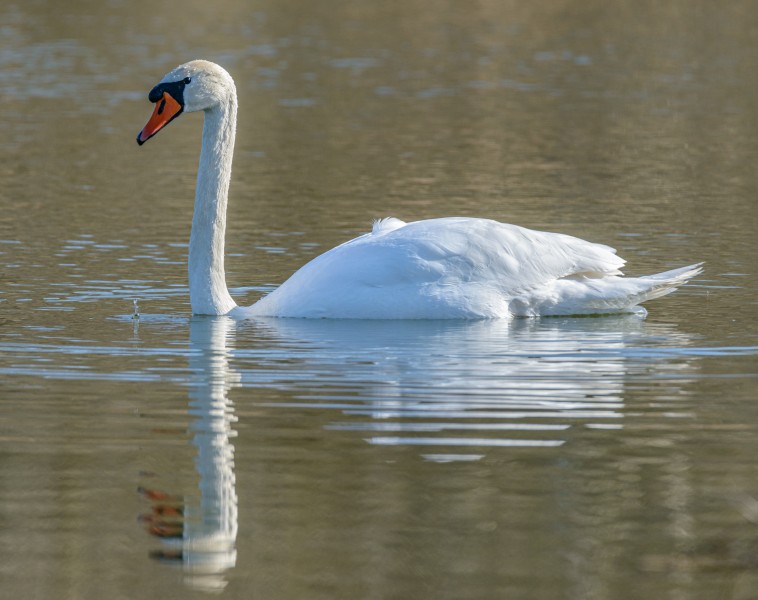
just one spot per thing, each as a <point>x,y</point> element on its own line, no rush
<point>462,268</point>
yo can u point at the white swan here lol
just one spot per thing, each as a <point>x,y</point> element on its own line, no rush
<point>451,268</point>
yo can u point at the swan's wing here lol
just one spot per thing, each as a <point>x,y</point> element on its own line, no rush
<point>513,256</point>
<point>441,267</point>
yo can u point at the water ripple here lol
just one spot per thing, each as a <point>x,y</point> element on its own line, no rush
<point>493,384</point>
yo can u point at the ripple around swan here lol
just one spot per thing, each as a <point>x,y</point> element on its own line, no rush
<point>462,389</point>
<point>484,384</point>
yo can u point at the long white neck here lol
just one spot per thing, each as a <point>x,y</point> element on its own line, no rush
<point>207,280</point>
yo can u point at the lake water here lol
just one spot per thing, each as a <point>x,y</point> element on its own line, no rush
<point>170,456</point>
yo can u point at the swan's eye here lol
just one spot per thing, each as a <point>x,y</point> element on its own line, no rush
<point>187,80</point>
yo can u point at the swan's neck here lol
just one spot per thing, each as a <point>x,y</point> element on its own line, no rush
<point>207,280</point>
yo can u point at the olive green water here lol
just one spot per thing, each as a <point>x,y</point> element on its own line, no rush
<point>174,457</point>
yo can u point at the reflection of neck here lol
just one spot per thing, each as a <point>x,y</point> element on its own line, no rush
<point>207,280</point>
<point>209,538</point>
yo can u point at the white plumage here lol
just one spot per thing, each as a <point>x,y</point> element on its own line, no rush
<point>461,268</point>
<point>450,268</point>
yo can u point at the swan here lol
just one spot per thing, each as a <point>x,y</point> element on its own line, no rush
<point>444,268</point>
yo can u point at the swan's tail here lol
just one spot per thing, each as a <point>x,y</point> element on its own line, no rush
<point>613,294</point>
<point>668,281</point>
<point>631,291</point>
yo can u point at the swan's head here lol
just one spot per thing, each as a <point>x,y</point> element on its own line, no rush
<point>193,86</point>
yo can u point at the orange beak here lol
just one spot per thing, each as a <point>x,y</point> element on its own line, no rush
<point>166,110</point>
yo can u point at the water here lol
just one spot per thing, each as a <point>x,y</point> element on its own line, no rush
<point>146,453</point>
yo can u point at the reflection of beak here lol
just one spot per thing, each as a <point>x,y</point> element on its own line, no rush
<point>166,110</point>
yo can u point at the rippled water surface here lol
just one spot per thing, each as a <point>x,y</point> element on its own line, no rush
<point>170,456</point>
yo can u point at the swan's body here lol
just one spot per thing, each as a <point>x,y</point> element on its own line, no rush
<point>451,268</point>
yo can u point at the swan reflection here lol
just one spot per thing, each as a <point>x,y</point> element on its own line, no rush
<point>464,384</point>
<point>202,538</point>
<point>455,390</point>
